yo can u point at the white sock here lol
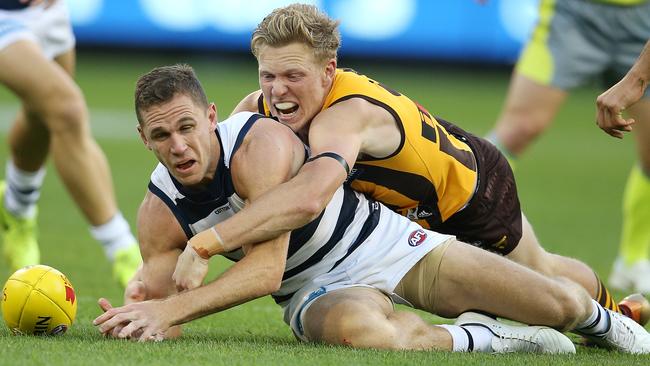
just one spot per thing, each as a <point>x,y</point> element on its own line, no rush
<point>473,338</point>
<point>23,190</point>
<point>597,323</point>
<point>113,235</point>
<point>492,137</point>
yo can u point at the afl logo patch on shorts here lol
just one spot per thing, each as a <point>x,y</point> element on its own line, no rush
<point>417,237</point>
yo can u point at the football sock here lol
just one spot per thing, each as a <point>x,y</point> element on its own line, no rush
<point>471,338</point>
<point>512,158</point>
<point>597,323</point>
<point>604,298</point>
<point>23,190</point>
<point>635,238</point>
<point>113,235</point>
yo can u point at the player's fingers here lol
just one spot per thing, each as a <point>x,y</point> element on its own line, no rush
<point>180,285</point>
<point>616,134</point>
<point>600,118</point>
<point>129,329</point>
<point>135,291</point>
<point>105,316</point>
<point>147,334</point>
<point>115,331</point>
<point>104,304</point>
<point>116,320</point>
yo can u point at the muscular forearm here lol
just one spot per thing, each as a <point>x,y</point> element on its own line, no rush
<point>641,69</point>
<point>256,275</point>
<point>287,207</point>
<point>644,62</point>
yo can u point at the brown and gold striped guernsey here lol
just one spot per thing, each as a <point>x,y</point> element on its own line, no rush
<point>430,176</point>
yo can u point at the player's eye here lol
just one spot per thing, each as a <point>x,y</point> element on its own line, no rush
<point>159,136</point>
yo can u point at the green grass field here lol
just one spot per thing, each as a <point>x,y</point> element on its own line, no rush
<point>570,184</point>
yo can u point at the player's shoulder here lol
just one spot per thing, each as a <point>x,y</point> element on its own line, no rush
<point>250,103</point>
<point>157,225</point>
<point>153,207</point>
<point>252,125</point>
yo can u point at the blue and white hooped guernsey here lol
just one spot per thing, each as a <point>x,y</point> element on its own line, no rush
<point>352,234</point>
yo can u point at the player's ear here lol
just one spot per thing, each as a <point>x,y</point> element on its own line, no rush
<point>143,137</point>
<point>212,115</point>
<point>330,69</point>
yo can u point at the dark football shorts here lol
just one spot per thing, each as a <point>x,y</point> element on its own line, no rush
<point>492,218</point>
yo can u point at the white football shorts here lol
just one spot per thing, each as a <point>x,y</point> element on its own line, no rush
<point>380,262</point>
<point>49,27</point>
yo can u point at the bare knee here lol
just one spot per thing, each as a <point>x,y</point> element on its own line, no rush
<point>62,109</point>
<point>349,323</point>
<point>517,128</point>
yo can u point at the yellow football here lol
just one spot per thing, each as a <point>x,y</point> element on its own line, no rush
<point>38,300</point>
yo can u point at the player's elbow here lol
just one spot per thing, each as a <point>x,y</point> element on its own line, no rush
<point>310,208</point>
<point>269,280</point>
<point>313,202</point>
<point>273,285</point>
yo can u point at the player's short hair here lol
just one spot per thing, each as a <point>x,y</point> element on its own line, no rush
<point>162,84</point>
<point>298,23</point>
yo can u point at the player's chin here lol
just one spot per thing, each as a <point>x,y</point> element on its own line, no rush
<point>188,175</point>
<point>294,121</point>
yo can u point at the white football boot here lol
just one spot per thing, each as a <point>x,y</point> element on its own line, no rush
<point>635,277</point>
<point>519,338</point>
<point>624,335</point>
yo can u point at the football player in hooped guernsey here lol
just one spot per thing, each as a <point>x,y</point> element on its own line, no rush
<point>386,146</point>
<point>336,276</point>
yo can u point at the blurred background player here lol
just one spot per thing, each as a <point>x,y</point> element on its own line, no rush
<point>575,41</point>
<point>37,61</point>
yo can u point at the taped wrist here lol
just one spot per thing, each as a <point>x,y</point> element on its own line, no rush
<point>207,243</point>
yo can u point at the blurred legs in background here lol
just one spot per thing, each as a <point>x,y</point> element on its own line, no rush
<point>53,119</point>
<point>632,266</point>
<point>555,61</point>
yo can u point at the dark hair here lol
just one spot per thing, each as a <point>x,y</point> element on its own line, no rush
<point>162,84</point>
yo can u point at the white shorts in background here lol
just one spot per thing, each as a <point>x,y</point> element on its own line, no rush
<point>380,262</point>
<point>49,27</point>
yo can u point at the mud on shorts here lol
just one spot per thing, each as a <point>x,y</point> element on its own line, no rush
<point>576,41</point>
<point>492,218</point>
<point>49,27</point>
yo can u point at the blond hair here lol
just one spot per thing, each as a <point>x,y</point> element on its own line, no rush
<point>298,23</point>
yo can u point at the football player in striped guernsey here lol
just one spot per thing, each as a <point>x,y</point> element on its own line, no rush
<point>337,276</point>
<point>423,167</point>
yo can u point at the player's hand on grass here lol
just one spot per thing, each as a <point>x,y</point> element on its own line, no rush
<point>611,104</point>
<point>105,305</point>
<point>134,292</point>
<point>190,270</point>
<point>141,321</point>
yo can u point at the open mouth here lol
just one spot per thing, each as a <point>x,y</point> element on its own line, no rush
<point>286,108</point>
<point>185,165</point>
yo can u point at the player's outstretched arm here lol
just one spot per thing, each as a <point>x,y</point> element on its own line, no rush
<point>611,103</point>
<point>161,240</point>
<point>263,161</point>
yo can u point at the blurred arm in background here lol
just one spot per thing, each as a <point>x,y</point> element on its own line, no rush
<point>626,92</point>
